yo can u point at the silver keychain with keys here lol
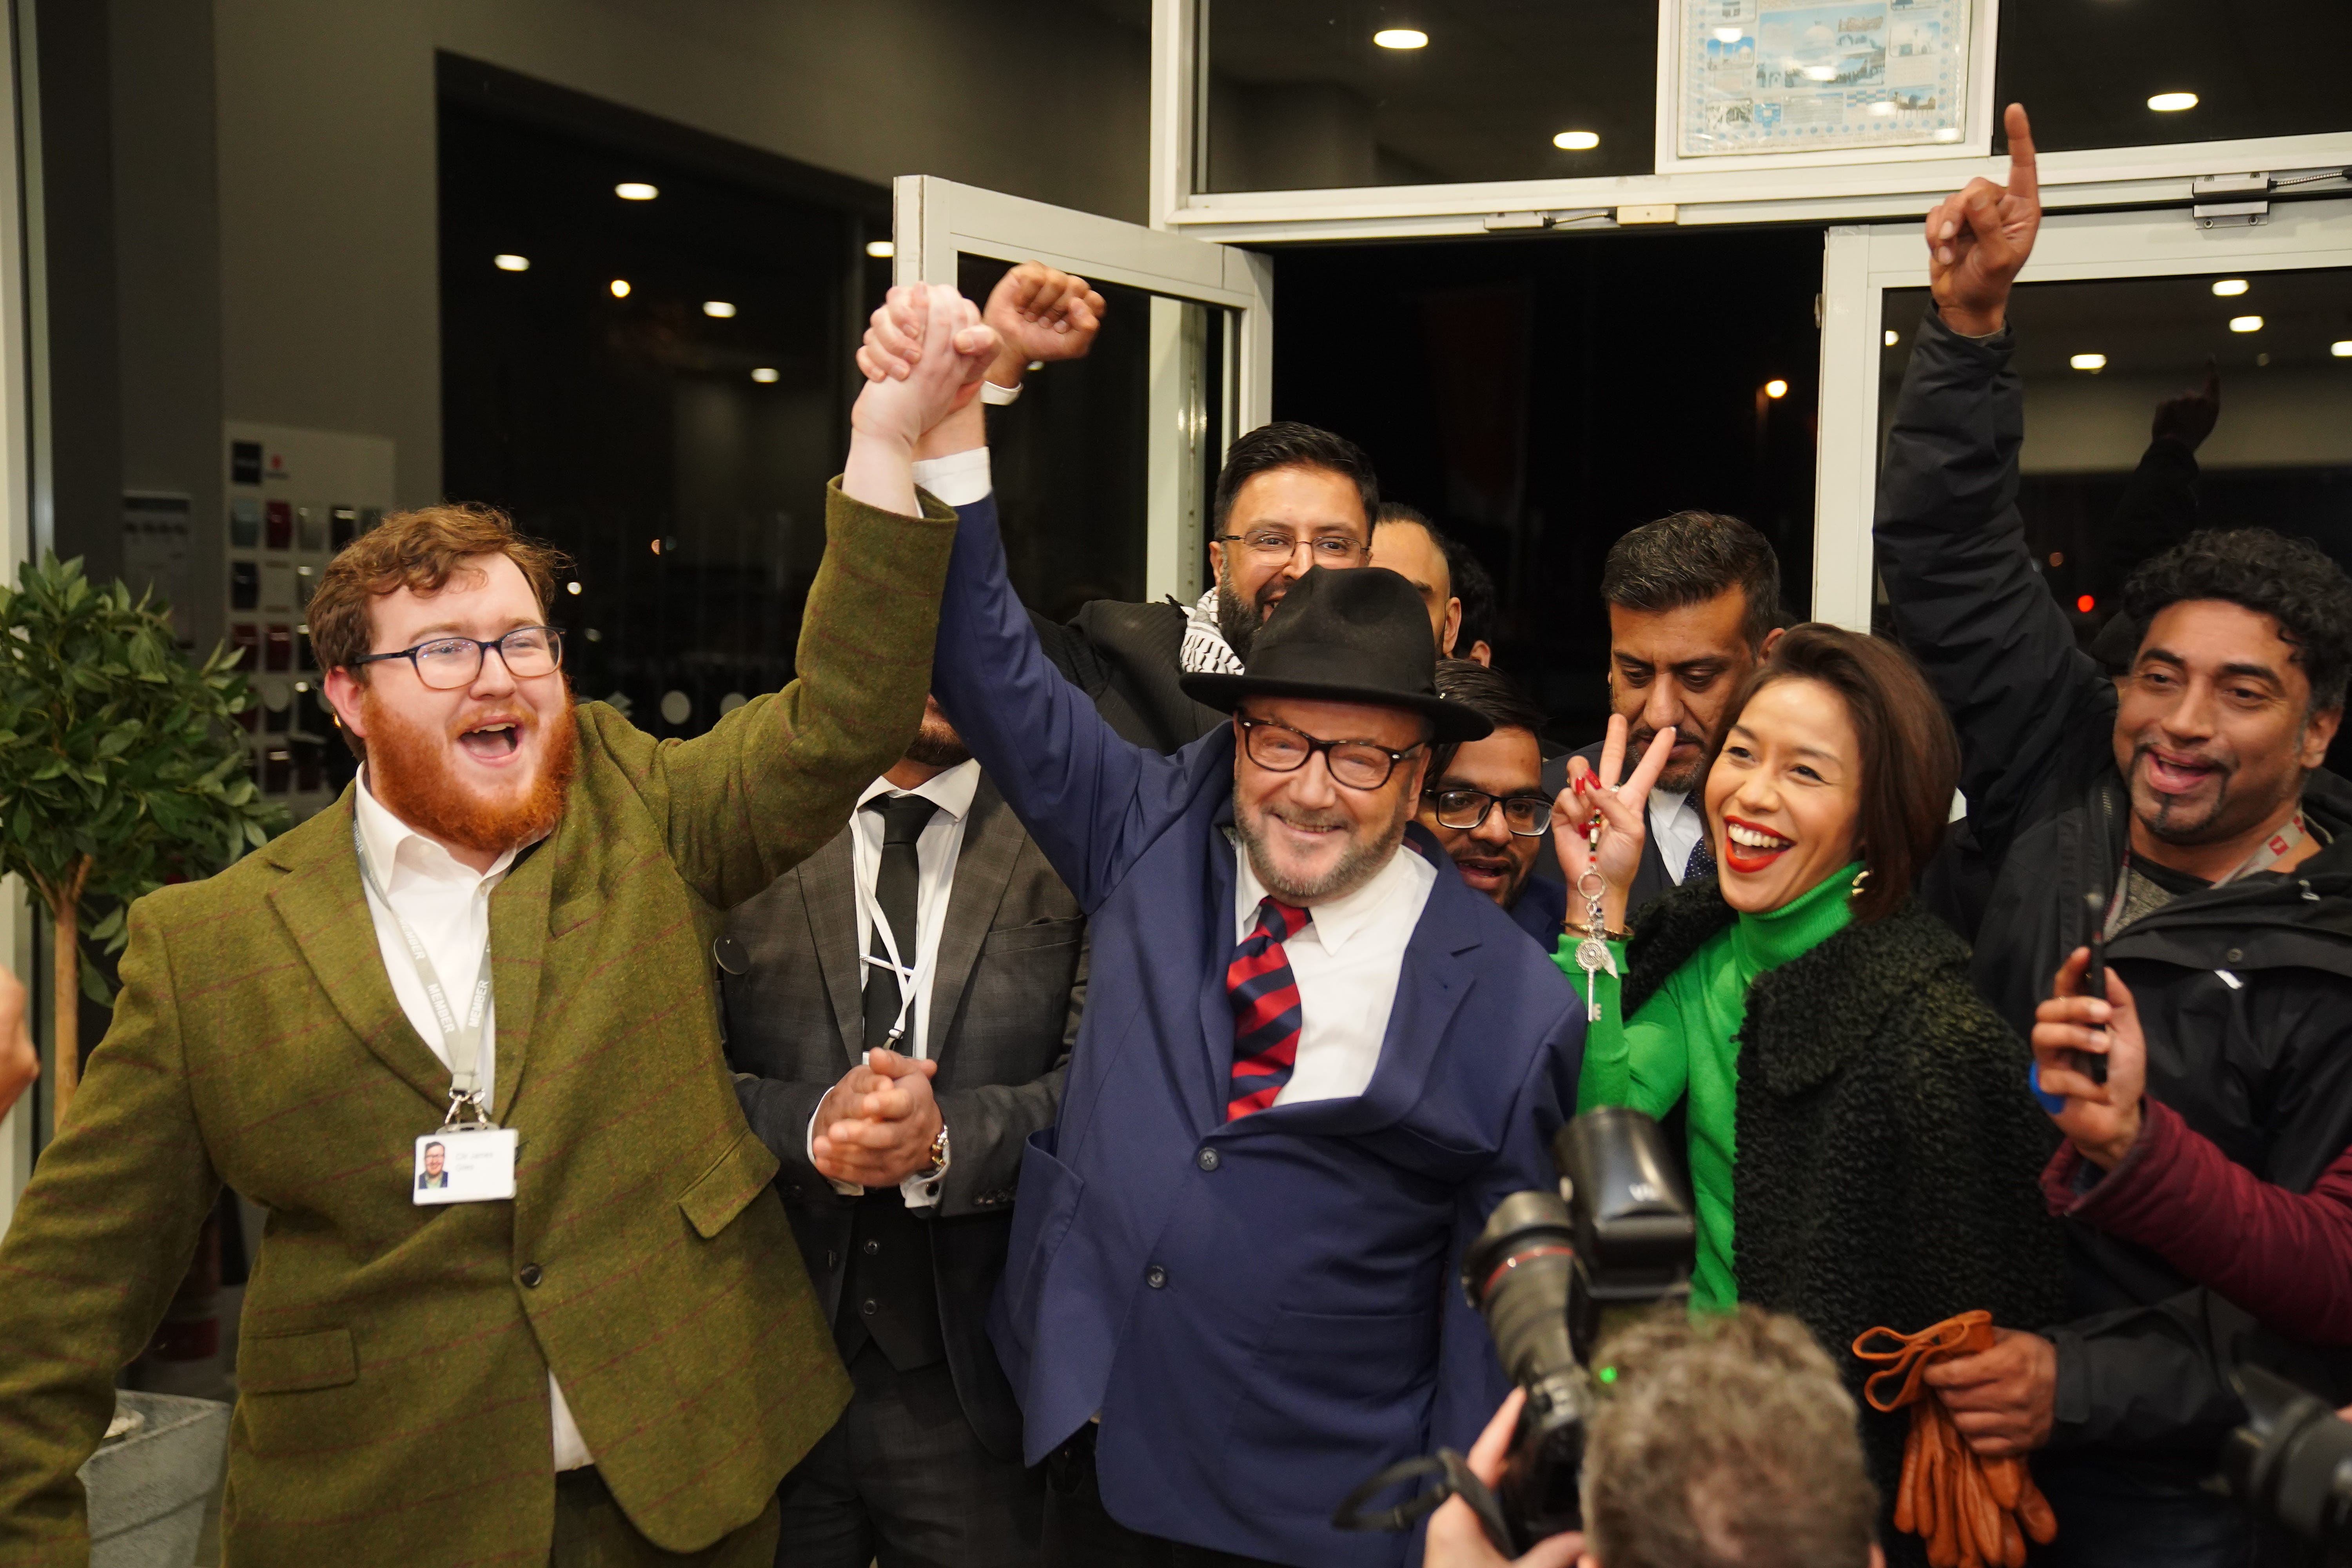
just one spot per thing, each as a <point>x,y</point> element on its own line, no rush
<point>1592,954</point>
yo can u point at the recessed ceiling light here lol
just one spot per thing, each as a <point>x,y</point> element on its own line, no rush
<point>2246,323</point>
<point>1577,140</point>
<point>722,309</point>
<point>511,263</point>
<point>620,287</point>
<point>881,249</point>
<point>1776,387</point>
<point>2228,287</point>
<point>1729,35</point>
<point>635,191</point>
<point>1400,38</point>
<point>573,587</point>
<point>2089,361</point>
<point>2341,348</point>
<point>765,375</point>
<point>2172,102</point>
<point>1892,337</point>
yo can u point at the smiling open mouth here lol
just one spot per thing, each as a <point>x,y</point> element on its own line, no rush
<point>492,742</point>
<point>1748,848</point>
<point>2168,776</point>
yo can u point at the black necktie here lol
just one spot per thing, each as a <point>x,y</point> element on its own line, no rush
<point>1702,858</point>
<point>904,817</point>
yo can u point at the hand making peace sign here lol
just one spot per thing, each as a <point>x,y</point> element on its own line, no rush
<point>1624,820</point>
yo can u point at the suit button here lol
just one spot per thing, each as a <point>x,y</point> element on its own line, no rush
<point>2235,956</point>
<point>871,1247</point>
<point>866,1307</point>
<point>531,1275</point>
<point>1156,1276</point>
<point>1209,1159</point>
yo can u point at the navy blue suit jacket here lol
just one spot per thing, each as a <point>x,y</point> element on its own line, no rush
<point>1264,1311</point>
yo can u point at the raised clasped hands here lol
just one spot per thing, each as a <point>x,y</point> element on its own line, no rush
<point>1978,240</point>
<point>1037,312</point>
<point>1624,820</point>
<point>875,1126</point>
<point>2102,1120</point>
<point>947,350</point>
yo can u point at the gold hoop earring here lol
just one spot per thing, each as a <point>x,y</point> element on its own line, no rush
<point>1860,878</point>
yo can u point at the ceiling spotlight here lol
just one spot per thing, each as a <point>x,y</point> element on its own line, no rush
<point>2341,348</point>
<point>573,587</point>
<point>1577,140</point>
<point>2229,287</point>
<point>2093,362</point>
<point>2246,323</point>
<point>1776,387</point>
<point>721,309</point>
<point>765,375</point>
<point>620,287</point>
<point>1892,337</point>
<point>511,263</point>
<point>1400,38</point>
<point>881,249</point>
<point>2172,102</point>
<point>635,191</point>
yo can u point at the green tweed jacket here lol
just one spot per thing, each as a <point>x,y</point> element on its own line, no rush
<point>393,1403</point>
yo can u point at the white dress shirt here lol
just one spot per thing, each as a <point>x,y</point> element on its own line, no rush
<point>1675,827</point>
<point>447,904</point>
<point>936,853</point>
<point>1346,960</point>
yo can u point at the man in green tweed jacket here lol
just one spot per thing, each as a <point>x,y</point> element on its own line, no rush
<point>619,1363</point>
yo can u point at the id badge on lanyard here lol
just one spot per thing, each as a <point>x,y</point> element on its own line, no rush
<point>468,1158</point>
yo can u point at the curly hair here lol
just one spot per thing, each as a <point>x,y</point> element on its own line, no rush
<point>2292,581</point>
<point>419,550</point>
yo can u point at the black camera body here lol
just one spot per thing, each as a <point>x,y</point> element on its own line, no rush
<point>1621,1231</point>
<point>2292,1462</point>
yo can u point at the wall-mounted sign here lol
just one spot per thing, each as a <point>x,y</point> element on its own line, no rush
<point>1768,82</point>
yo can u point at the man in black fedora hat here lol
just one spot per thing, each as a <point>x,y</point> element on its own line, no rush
<point>1311,1062</point>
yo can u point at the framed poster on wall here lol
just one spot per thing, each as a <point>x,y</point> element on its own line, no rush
<point>1788,83</point>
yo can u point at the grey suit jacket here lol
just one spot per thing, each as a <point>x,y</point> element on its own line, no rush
<point>1005,998</point>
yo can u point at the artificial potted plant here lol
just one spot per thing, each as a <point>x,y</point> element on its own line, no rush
<point>120,768</point>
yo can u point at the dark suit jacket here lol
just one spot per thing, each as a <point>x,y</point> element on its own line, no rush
<point>1005,999</point>
<point>1128,657</point>
<point>1264,1311</point>
<point>1649,882</point>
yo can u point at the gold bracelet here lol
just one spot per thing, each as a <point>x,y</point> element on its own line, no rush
<point>1590,931</point>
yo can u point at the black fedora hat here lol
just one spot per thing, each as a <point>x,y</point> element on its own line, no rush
<point>1360,635</point>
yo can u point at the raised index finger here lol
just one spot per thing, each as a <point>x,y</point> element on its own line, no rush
<point>2022,179</point>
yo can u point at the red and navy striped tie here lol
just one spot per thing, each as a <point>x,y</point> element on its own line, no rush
<point>1265,996</point>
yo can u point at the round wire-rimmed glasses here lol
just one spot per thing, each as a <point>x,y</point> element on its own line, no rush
<point>446,663</point>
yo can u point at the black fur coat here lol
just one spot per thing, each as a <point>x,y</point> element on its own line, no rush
<point>1888,1152</point>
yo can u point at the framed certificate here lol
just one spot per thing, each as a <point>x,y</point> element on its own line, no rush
<point>1791,83</point>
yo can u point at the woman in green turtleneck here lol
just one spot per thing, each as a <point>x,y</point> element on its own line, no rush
<point>1861,1146</point>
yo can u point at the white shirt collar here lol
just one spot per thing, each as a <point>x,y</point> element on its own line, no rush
<point>1333,923</point>
<point>398,852</point>
<point>950,790</point>
<point>1669,804</point>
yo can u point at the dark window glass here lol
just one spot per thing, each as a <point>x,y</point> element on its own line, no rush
<point>2097,496</point>
<point>678,453</point>
<point>1538,398</point>
<point>2086,69</point>
<point>1300,97</point>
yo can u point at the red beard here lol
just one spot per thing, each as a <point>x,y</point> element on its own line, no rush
<point>409,774</point>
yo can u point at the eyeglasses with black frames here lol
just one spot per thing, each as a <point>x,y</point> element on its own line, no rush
<point>447,663</point>
<point>1528,815</point>
<point>1358,764</point>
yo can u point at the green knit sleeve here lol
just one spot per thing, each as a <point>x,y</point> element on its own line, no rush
<point>1642,1062</point>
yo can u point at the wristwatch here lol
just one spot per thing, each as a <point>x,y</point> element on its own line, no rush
<point>940,1157</point>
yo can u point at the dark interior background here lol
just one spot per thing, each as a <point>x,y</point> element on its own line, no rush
<point>1539,397</point>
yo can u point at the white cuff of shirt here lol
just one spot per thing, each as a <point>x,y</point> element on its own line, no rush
<point>958,479</point>
<point>920,1192</point>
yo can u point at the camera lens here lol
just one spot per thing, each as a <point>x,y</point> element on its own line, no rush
<point>1522,1273</point>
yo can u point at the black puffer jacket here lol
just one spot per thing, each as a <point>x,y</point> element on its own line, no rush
<point>2244,991</point>
<point>1887,1154</point>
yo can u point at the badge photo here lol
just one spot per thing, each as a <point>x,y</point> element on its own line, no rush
<point>458,1165</point>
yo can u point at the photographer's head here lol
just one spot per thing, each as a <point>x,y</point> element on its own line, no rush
<point>1724,1442</point>
<point>2238,684</point>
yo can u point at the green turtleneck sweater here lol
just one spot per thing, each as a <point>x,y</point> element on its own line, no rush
<point>1684,1043</point>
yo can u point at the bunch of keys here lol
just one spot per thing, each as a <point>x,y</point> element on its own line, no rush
<point>1592,952</point>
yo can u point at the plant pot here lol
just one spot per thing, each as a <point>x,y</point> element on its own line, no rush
<point>149,1487</point>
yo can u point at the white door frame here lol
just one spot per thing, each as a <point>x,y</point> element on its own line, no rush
<point>935,221</point>
<point>1861,262</point>
<point>18,542</point>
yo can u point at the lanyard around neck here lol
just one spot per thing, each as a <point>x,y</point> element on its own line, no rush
<point>461,1040</point>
